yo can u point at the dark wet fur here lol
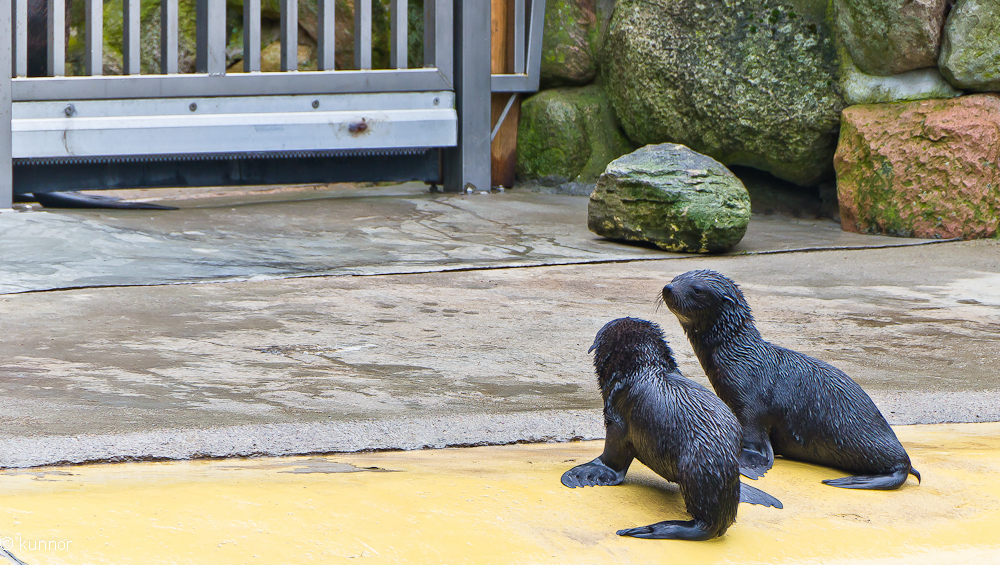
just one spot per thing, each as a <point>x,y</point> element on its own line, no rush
<point>676,427</point>
<point>788,403</point>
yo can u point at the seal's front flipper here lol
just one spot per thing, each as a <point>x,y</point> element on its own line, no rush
<point>757,456</point>
<point>672,529</point>
<point>593,474</point>
<point>751,495</point>
<point>753,464</point>
<point>873,482</point>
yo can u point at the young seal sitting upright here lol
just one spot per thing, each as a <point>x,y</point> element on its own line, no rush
<point>676,427</point>
<point>788,403</point>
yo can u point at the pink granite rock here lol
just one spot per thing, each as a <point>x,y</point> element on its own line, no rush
<point>921,169</point>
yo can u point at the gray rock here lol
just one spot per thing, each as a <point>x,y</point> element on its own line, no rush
<point>970,51</point>
<point>921,84</point>
<point>567,135</point>
<point>888,37</point>
<point>568,50</point>
<point>749,82</point>
<point>672,197</point>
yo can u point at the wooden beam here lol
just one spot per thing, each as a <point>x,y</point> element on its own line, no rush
<point>504,146</point>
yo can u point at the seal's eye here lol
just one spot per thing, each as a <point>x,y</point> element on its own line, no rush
<point>696,289</point>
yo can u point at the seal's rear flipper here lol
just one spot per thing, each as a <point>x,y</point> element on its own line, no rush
<point>672,529</point>
<point>874,482</point>
<point>751,495</point>
<point>78,200</point>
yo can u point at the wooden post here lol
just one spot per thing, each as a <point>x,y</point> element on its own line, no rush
<point>504,145</point>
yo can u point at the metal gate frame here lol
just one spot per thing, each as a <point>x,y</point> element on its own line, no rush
<point>96,121</point>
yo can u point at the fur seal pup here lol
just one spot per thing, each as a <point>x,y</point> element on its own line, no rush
<point>788,403</point>
<point>676,427</point>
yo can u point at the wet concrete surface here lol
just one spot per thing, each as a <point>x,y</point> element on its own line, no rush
<point>338,230</point>
<point>452,357</point>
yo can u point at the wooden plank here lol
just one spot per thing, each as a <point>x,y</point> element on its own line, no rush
<point>503,149</point>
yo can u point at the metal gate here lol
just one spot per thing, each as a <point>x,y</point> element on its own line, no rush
<point>211,127</point>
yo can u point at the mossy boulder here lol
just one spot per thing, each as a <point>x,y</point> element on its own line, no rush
<point>888,37</point>
<point>672,197</point>
<point>970,51</point>
<point>748,82</point>
<point>921,169</point>
<point>568,135</point>
<point>569,39</point>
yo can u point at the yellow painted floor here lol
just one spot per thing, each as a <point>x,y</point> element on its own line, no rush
<point>492,505</point>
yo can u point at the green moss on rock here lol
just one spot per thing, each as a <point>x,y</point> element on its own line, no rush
<point>749,82</point>
<point>672,197</point>
<point>568,135</point>
<point>970,51</point>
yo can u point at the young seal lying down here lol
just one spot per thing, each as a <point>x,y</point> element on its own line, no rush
<point>674,426</point>
<point>787,403</point>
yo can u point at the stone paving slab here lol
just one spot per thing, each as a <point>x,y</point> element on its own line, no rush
<point>493,505</point>
<point>341,230</point>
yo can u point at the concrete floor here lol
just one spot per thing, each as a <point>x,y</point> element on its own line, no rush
<point>482,341</point>
<point>493,505</point>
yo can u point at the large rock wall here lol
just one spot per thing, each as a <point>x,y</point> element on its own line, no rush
<point>921,169</point>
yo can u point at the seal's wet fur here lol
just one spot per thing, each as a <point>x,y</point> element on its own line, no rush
<point>788,403</point>
<point>676,427</point>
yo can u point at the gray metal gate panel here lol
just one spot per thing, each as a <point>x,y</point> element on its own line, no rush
<point>32,110</point>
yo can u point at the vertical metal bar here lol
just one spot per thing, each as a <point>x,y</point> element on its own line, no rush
<point>211,37</point>
<point>251,36</point>
<point>535,43</point>
<point>326,32</point>
<point>398,23</point>
<point>289,35</point>
<point>430,7</point>
<point>6,145</point>
<point>130,37</point>
<point>362,34</point>
<point>444,25</point>
<point>168,36</point>
<point>56,37</point>
<point>20,38</point>
<point>94,43</point>
<point>467,166</point>
<point>519,22</point>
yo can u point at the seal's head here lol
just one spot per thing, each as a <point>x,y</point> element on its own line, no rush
<point>705,299</point>
<point>626,343</point>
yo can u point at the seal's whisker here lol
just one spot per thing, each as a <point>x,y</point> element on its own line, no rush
<point>658,302</point>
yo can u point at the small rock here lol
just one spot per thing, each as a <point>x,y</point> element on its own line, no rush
<point>970,51</point>
<point>888,37</point>
<point>921,169</point>
<point>672,197</point>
